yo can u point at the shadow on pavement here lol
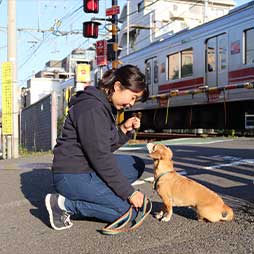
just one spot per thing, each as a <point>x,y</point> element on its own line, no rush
<point>186,212</point>
<point>35,185</point>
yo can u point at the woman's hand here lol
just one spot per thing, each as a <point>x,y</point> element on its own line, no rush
<point>130,124</point>
<point>137,199</point>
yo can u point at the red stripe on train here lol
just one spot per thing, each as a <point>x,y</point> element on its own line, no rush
<point>240,73</point>
<point>182,85</point>
<point>246,79</point>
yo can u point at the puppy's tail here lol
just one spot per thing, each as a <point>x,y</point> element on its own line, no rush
<point>227,213</point>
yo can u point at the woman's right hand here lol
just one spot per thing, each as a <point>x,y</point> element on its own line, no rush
<point>137,199</point>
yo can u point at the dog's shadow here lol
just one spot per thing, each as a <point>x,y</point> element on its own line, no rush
<point>186,212</point>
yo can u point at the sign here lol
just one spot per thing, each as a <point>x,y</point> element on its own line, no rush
<point>7,98</point>
<point>213,95</point>
<point>101,53</point>
<point>83,73</point>
<point>115,9</point>
<point>235,47</point>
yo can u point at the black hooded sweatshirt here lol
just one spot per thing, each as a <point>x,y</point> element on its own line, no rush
<point>89,138</point>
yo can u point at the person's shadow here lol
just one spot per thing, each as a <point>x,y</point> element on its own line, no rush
<point>35,185</point>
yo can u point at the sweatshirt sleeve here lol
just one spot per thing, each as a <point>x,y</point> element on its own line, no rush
<point>122,139</point>
<point>95,140</point>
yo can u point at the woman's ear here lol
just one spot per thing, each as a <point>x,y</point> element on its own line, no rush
<point>117,86</point>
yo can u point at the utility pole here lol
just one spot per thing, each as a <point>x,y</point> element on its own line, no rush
<point>12,57</point>
<point>128,26</point>
<point>115,61</point>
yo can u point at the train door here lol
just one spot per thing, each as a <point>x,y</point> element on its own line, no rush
<point>217,61</point>
<point>152,75</point>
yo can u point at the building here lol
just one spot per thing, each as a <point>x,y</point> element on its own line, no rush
<point>146,21</point>
<point>55,72</point>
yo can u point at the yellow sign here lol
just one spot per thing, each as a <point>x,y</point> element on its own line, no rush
<point>83,73</point>
<point>7,98</point>
<point>67,99</point>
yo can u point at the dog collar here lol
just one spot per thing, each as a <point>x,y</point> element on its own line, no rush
<point>157,179</point>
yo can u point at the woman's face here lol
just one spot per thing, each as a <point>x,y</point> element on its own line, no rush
<point>124,98</point>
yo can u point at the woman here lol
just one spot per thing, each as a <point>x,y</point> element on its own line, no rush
<point>89,179</point>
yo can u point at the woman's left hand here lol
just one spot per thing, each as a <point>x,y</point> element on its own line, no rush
<point>130,124</point>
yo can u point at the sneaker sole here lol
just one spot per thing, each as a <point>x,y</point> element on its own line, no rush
<point>48,206</point>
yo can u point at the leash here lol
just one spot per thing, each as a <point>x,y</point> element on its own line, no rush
<point>157,179</point>
<point>121,224</point>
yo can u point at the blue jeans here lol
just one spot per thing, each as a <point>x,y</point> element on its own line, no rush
<point>87,195</point>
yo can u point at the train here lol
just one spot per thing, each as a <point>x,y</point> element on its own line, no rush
<point>200,78</point>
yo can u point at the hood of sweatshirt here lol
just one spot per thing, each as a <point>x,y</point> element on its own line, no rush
<point>91,92</point>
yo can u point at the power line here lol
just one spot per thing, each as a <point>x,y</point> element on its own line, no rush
<point>169,22</point>
<point>141,9</point>
<point>54,31</point>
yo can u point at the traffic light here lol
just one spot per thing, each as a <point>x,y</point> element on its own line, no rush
<point>90,29</point>
<point>91,6</point>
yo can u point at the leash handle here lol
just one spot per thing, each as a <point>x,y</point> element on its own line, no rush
<point>120,225</point>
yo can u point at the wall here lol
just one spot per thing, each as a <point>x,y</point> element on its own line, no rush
<point>40,87</point>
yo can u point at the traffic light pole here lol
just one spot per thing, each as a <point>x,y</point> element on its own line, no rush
<point>115,62</point>
<point>114,37</point>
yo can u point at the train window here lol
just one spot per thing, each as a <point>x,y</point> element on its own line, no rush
<point>173,66</point>
<point>211,55</point>
<point>222,57</point>
<point>249,46</point>
<point>155,72</point>
<point>148,74</point>
<point>180,65</point>
<point>186,63</point>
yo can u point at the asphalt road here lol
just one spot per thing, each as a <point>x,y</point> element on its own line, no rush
<point>226,166</point>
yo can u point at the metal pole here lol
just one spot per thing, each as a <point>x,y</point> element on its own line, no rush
<point>4,146</point>
<point>128,26</point>
<point>12,53</point>
<point>114,37</point>
<point>9,150</point>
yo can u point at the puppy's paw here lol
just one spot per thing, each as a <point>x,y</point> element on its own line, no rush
<point>166,217</point>
<point>159,215</point>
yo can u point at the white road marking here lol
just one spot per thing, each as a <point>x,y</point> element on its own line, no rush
<point>210,142</point>
<point>245,161</point>
<point>151,179</point>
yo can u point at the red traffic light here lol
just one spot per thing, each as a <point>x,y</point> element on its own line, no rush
<point>91,6</point>
<point>90,29</point>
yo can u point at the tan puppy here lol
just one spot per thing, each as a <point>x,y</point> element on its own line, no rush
<point>177,190</point>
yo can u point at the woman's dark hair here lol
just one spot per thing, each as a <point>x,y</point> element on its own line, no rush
<point>130,78</point>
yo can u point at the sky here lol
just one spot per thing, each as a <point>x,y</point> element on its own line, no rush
<point>34,49</point>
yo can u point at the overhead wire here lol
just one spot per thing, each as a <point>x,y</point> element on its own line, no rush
<point>66,16</point>
<point>70,15</point>
<point>170,22</point>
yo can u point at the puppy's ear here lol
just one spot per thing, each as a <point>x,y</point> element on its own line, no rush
<point>156,155</point>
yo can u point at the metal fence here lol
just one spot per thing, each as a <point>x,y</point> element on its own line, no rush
<point>38,125</point>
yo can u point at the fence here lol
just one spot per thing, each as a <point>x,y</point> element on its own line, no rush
<point>38,124</point>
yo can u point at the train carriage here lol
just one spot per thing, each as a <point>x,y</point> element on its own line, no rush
<point>201,78</point>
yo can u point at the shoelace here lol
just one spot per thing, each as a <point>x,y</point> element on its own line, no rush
<point>66,219</point>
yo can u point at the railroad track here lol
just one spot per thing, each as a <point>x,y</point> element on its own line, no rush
<point>163,136</point>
